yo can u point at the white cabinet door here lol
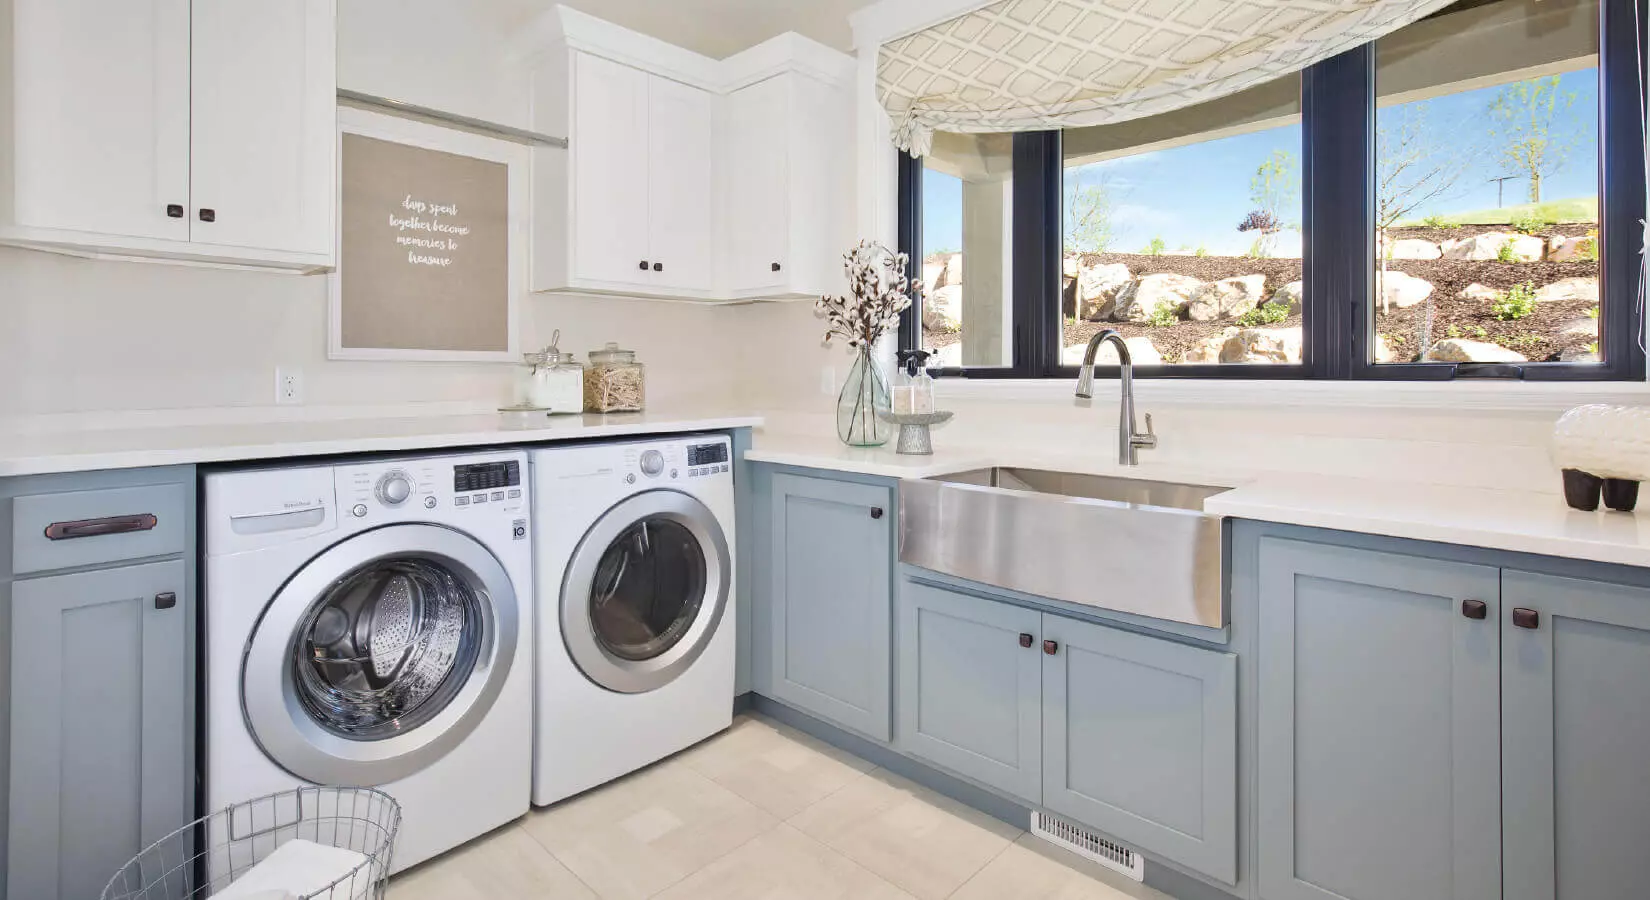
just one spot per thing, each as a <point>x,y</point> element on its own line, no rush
<point>758,187</point>
<point>610,187</point>
<point>681,185</point>
<point>102,116</point>
<point>264,133</point>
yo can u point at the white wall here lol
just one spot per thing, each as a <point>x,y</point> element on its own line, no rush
<point>85,336</point>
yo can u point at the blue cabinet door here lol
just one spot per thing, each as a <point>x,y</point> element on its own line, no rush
<point>970,687</point>
<point>1379,739</point>
<point>830,600</point>
<point>1575,696</point>
<point>100,724</point>
<point>1140,741</point>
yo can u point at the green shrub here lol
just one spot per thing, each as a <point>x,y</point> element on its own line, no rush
<point>1453,331</point>
<point>1201,250</point>
<point>1516,303</point>
<point>1506,253</point>
<point>1164,317</point>
<point>1589,251</point>
<point>1434,222</point>
<point>1592,312</point>
<point>1478,331</point>
<point>1269,314</point>
<point>1156,247</point>
<point>1524,341</point>
<point>1530,223</point>
<point>1592,347</point>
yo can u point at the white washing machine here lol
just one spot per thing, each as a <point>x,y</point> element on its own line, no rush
<point>370,624</point>
<point>635,619</point>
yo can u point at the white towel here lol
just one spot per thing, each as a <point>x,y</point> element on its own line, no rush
<point>297,868</point>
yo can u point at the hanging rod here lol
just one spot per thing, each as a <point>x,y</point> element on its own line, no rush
<point>480,126</point>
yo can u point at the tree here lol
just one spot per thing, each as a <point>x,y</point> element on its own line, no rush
<point>1274,189</point>
<point>1089,226</point>
<point>1529,122</point>
<point>1412,168</point>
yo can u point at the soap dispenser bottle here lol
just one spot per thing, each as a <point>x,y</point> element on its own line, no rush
<point>913,386</point>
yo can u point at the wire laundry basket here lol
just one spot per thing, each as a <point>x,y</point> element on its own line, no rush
<point>203,858</point>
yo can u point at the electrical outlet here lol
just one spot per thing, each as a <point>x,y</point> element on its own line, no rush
<point>827,380</point>
<point>289,386</point>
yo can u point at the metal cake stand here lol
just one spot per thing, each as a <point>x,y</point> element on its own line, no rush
<point>914,439</point>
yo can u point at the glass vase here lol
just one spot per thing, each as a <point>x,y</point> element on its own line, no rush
<point>863,395</point>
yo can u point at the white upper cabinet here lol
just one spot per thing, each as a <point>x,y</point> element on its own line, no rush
<point>681,185</point>
<point>264,125</point>
<point>686,177</point>
<point>99,137</point>
<point>163,128</point>
<point>789,178</point>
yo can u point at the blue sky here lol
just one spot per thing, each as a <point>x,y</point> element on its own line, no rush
<point>1196,195</point>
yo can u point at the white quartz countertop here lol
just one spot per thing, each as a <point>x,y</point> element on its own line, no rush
<point>1505,519</point>
<point>132,447</point>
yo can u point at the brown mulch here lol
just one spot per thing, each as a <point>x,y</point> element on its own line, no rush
<point>1535,336</point>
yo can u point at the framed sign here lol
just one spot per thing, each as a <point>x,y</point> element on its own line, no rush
<point>432,243</point>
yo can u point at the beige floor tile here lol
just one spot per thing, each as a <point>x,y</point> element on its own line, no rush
<point>783,864</point>
<point>777,768</point>
<point>924,843</point>
<point>1033,869</point>
<point>645,832</point>
<point>505,863</point>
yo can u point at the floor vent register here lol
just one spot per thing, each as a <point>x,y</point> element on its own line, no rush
<point>1088,843</point>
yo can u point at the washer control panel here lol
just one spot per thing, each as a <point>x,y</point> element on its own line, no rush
<point>412,488</point>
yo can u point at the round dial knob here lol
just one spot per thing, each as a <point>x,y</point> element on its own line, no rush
<point>394,488</point>
<point>653,462</point>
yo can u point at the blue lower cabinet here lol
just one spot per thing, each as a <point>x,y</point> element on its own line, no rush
<point>828,601</point>
<point>1379,739</point>
<point>1575,699</point>
<point>1140,741</point>
<point>970,687</point>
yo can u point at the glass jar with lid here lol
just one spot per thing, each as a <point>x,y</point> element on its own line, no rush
<point>527,382</point>
<point>562,378</point>
<point>614,382</point>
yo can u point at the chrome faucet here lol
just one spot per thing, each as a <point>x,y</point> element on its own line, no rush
<point>1129,441</point>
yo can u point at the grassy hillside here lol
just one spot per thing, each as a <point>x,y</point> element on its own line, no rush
<point>1575,209</point>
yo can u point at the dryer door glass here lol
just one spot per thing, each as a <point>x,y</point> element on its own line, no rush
<point>386,647</point>
<point>645,590</point>
<point>648,589</point>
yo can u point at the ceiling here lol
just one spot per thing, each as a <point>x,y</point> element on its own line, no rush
<point>717,28</point>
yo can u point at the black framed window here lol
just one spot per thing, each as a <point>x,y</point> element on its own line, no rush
<point>1461,198</point>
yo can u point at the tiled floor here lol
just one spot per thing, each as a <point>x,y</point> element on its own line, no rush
<point>761,811</point>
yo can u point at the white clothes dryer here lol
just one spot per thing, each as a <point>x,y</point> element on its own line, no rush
<point>370,624</point>
<point>634,561</point>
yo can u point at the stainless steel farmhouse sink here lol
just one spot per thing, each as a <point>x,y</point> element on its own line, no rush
<point>1135,546</point>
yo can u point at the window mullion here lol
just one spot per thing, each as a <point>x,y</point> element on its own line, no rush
<point>1337,135</point>
<point>1035,254</point>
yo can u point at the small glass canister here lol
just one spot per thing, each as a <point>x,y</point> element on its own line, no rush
<point>561,376</point>
<point>614,382</point>
<point>528,392</point>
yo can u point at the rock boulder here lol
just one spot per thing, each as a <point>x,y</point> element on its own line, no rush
<point>1098,288</point>
<point>1140,298</point>
<point>1263,345</point>
<point>1227,298</point>
<point>1483,293</point>
<point>1290,294</point>
<point>1566,289</point>
<point>1460,350</point>
<point>1401,291</point>
<point>1525,248</point>
<point>1413,248</point>
<point>1142,352</point>
<point>942,309</point>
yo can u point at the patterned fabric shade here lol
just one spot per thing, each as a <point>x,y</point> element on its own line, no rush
<point>1027,65</point>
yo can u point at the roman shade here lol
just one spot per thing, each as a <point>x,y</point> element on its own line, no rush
<point>1028,65</point>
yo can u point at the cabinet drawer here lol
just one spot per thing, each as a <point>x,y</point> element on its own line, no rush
<point>82,528</point>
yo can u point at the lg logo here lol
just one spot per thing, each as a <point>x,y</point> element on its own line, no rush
<point>519,531</point>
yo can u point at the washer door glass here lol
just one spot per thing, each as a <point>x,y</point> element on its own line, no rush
<point>649,588</point>
<point>385,647</point>
<point>380,655</point>
<point>645,590</point>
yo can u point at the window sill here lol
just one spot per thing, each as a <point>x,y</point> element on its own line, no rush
<point>1474,395</point>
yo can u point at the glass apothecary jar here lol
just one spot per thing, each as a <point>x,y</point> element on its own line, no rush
<point>614,382</point>
<point>562,377</point>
